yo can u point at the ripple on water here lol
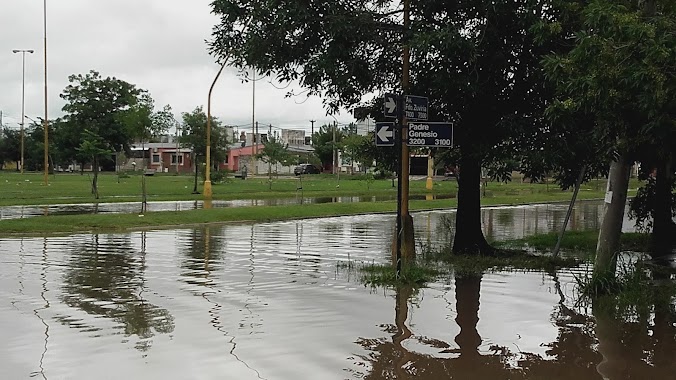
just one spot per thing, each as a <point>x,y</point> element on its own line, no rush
<point>270,300</point>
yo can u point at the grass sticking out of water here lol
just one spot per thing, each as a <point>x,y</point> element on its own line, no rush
<point>576,241</point>
<point>634,290</point>
<point>385,275</point>
<point>502,260</point>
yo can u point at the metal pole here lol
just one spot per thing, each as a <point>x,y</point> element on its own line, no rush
<point>23,100</point>
<point>333,148</point>
<point>177,148</point>
<point>254,126</point>
<point>312,133</point>
<point>46,121</point>
<point>255,148</point>
<point>207,181</point>
<point>398,144</point>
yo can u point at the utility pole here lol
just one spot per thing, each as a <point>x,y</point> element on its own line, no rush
<point>255,148</point>
<point>177,147</point>
<point>46,121</point>
<point>312,131</point>
<point>269,163</point>
<point>405,243</point>
<point>23,99</point>
<point>333,148</point>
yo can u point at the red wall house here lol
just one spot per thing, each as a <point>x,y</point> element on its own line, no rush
<point>238,154</point>
<point>162,158</point>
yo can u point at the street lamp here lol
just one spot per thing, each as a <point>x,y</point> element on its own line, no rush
<point>23,96</point>
<point>46,121</point>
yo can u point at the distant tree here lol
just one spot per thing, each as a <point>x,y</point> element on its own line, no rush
<point>144,124</point>
<point>352,148</point>
<point>10,145</point>
<point>476,60</point>
<point>98,107</point>
<point>617,77</point>
<point>94,147</point>
<point>324,144</point>
<point>274,152</point>
<point>194,136</point>
<point>385,157</point>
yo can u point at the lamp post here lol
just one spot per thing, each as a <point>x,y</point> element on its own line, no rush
<point>46,121</point>
<point>23,97</point>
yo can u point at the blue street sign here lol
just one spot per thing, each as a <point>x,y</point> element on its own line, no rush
<point>390,106</point>
<point>385,133</point>
<point>434,134</point>
<point>415,107</point>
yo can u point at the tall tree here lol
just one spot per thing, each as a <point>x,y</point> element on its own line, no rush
<point>274,152</point>
<point>325,145</point>
<point>617,76</point>
<point>477,61</point>
<point>98,106</point>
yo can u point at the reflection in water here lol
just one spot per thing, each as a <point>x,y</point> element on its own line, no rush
<point>106,278</point>
<point>204,251</point>
<point>43,292</point>
<point>641,347</point>
<point>279,298</point>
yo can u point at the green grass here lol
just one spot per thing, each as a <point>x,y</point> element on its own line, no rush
<point>386,275</point>
<point>583,241</point>
<point>28,189</point>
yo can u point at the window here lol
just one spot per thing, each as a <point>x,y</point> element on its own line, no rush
<point>156,158</point>
<point>173,159</point>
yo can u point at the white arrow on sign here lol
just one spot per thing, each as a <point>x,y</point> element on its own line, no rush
<point>385,133</point>
<point>391,105</point>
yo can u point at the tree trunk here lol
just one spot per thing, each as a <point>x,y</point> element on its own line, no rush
<point>194,189</point>
<point>663,226</point>
<point>613,214</point>
<point>469,238</point>
<point>95,184</point>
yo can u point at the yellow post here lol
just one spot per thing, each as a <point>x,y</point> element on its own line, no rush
<point>430,171</point>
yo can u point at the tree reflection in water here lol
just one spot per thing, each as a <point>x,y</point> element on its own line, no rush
<point>609,344</point>
<point>106,277</point>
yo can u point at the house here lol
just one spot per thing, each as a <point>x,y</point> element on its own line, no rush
<point>242,154</point>
<point>162,157</point>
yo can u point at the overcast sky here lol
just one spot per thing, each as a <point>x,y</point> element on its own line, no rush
<point>158,45</point>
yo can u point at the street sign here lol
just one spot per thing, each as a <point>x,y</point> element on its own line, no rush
<point>390,106</point>
<point>430,134</point>
<point>415,107</point>
<point>385,134</point>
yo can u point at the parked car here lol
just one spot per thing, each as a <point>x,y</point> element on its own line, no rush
<point>306,169</point>
<point>451,171</point>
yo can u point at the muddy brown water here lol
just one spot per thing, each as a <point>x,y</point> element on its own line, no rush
<point>283,301</point>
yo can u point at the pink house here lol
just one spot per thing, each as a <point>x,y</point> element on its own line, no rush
<point>240,156</point>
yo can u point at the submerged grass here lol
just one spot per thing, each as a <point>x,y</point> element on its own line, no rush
<point>635,289</point>
<point>415,275</point>
<point>576,241</point>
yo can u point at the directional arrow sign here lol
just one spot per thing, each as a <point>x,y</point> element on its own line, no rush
<point>437,135</point>
<point>415,107</point>
<point>385,134</point>
<point>390,106</point>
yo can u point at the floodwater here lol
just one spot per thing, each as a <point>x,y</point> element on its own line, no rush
<point>17,212</point>
<point>283,301</point>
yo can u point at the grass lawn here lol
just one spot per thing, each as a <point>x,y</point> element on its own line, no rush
<point>28,189</point>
